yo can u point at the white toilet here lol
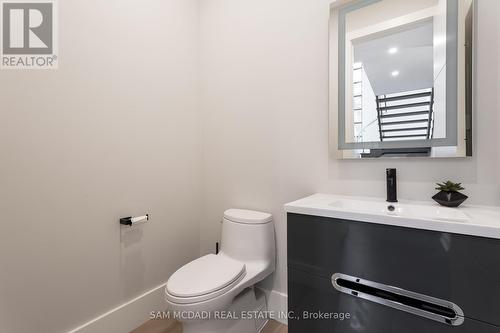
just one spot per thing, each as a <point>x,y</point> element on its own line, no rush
<point>205,293</point>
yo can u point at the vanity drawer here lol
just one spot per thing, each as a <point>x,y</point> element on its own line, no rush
<point>461,269</point>
<point>308,293</point>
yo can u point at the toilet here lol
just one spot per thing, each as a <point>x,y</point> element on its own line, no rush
<point>206,293</point>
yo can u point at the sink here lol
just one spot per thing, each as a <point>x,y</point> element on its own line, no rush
<point>414,211</point>
<point>471,220</point>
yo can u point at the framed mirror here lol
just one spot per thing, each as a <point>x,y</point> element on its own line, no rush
<point>401,78</point>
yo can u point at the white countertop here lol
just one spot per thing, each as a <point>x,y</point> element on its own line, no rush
<point>480,221</point>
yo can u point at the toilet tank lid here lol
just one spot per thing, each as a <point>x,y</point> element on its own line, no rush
<point>247,216</point>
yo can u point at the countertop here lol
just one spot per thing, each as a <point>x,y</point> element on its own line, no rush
<point>472,220</point>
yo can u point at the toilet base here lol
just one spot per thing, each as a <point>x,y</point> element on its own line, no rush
<point>247,301</point>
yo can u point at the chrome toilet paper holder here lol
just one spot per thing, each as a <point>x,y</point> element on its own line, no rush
<point>130,221</point>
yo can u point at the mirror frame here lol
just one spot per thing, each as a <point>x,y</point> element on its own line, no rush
<point>338,12</point>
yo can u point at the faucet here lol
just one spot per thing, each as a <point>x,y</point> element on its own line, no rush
<point>392,194</point>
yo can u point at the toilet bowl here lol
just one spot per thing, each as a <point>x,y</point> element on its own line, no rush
<point>210,293</point>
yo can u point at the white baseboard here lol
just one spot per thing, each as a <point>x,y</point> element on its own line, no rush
<point>135,312</point>
<point>277,302</point>
<point>127,316</point>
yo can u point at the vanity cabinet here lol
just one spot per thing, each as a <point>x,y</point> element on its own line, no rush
<point>457,269</point>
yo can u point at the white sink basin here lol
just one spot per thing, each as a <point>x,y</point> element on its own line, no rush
<point>468,220</point>
<point>414,211</point>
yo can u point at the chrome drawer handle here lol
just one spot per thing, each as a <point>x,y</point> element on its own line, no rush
<point>418,304</point>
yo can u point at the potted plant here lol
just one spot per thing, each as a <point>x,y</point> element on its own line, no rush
<point>449,194</point>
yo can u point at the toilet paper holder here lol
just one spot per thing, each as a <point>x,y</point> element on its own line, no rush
<point>130,221</point>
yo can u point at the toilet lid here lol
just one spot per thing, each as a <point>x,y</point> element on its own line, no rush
<point>205,275</point>
<point>247,216</point>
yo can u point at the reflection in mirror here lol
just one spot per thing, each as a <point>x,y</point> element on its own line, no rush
<point>393,76</point>
<point>404,84</point>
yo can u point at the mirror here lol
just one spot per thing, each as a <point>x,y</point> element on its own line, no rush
<point>401,75</point>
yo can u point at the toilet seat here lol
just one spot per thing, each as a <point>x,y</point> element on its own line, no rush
<point>204,278</point>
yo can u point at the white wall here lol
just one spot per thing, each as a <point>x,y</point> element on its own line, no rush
<point>265,103</point>
<point>371,131</point>
<point>264,98</point>
<point>115,131</point>
<point>440,71</point>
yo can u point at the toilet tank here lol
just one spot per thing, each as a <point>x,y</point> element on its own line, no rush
<point>248,235</point>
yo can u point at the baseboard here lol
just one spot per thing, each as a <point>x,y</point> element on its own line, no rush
<point>135,312</point>
<point>127,316</point>
<point>277,302</point>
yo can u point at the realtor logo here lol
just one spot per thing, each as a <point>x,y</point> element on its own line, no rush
<point>28,34</point>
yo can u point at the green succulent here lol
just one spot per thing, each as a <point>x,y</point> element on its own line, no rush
<point>450,186</point>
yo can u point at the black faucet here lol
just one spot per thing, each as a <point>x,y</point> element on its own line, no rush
<point>392,194</point>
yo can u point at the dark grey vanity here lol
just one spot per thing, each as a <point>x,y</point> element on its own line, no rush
<point>388,278</point>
